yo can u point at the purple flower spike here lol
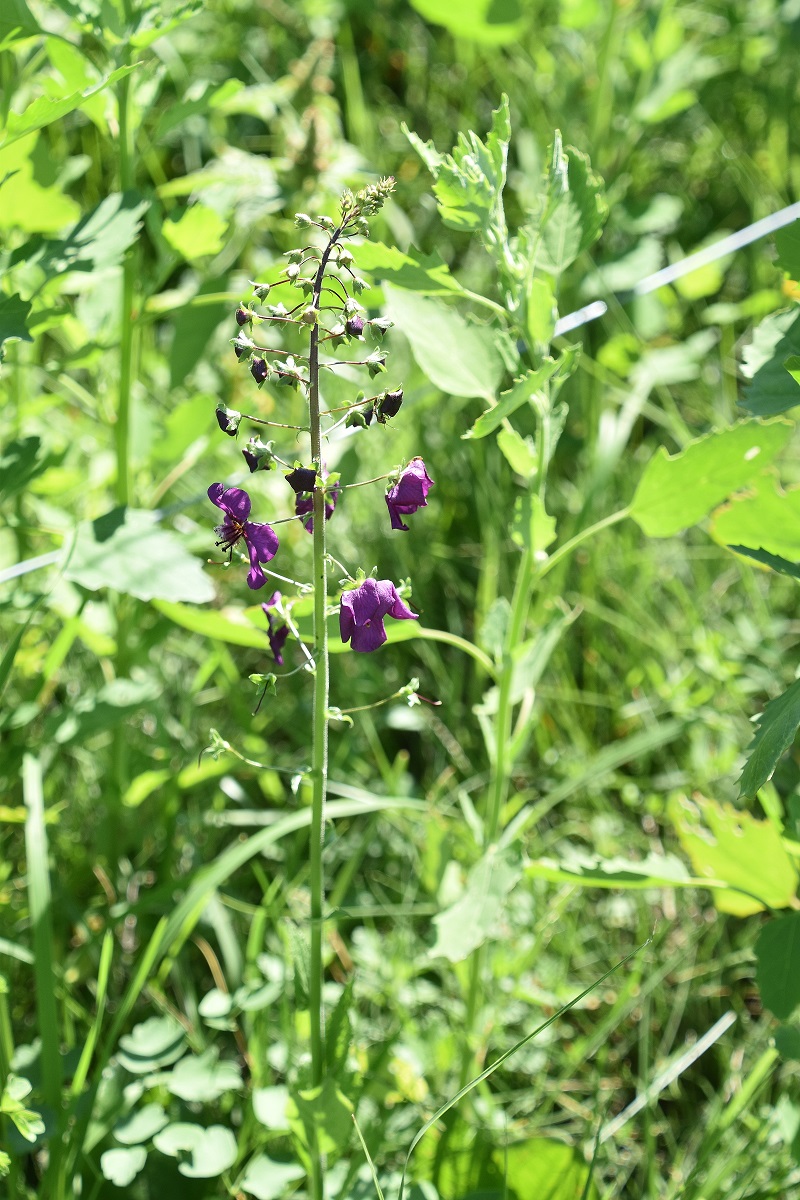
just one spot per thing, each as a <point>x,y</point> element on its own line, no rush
<point>304,506</point>
<point>277,634</point>
<point>362,612</point>
<point>261,540</point>
<point>409,493</point>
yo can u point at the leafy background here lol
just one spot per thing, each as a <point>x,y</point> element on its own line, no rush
<point>152,902</point>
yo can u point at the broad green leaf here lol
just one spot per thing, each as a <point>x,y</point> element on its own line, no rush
<point>44,111</point>
<point>724,843</point>
<point>787,1041</point>
<point>322,1113</point>
<point>121,1167</point>
<point>778,972</point>
<point>20,462</point>
<point>98,241</point>
<point>96,712</point>
<point>519,452</point>
<point>787,241</point>
<point>765,518</point>
<point>269,1107</point>
<point>202,1078</point>
<point>532,527</point>
<point>469,182</point>
<point>777,727</point>
<point>524,389</point>
<point>16,18</point>
<point>211,1150</point>
<point>544,1169</point>
<point>156,1042</point>
<point>772,389</point>
<point>197,233</point>
<point>233,628</point>
<point>193,328</point>
<point>459,358</point>
<point>491,22</point>
<point>576,866</point>
<point>128,551</point>
<point>267,1179</point>
<point>468,923</point>
<point>14,313</point>
<point>425,274</point>
<point>781,565</point>
<point>141,1125</point>
<point>678,490</point>
<point>149,29</point>
<point>26,203</point>
<point>792,365</point>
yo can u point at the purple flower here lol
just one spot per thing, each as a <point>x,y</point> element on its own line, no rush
<point>261,540</point>
<point>362,612</point>
<point>302,479</point>
<point>409,493</point>
<point>304,505</point>
<point>259,370</point>
<point>355,325</point>
<point>277,634</point>
<point>243,315</point>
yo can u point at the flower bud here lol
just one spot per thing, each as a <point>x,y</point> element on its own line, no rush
<point>259,457</point>
<point>355,325</point>
<point>261,290</point>
<point>302,479</point>
<point>309,316</point>
<point>228,420</point>
<point>356,419</point>
<point>259,369</point>
<point>243,315</point>
<point>389,405</point>
<point>294,256</point>
<point>359,285</point>
<point>345,257</point>
<point>327,223</point>
<point>376,363</point>
<point>379,326</point>
<point>303,221</point>
<point>292,271</point>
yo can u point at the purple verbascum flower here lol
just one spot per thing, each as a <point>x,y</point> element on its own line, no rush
<point>304,505</point>
<point>362,612</point>
<point>261,540</point>
<point>409,493</point>
<point>276,633</point>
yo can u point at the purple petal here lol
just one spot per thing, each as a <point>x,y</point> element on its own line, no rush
<point>261,539</point>
<point>276,643</point>
<point>394,514</point>
<point>346,621</point>
<point>234,501</point>
<point>368,636</point>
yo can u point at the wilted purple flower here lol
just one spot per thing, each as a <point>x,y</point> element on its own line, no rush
<point>304,506</point>
<point>362,612</point>
<point>389,405</point>
<point>259,370</point>
<point>243,315</point>
<point>302,479</point>
<point>261,540</point>
<point>409,493</point>
<point>259,457</point>
<point>228,420</point>
<point>355,325</point>
<point>277,634</point>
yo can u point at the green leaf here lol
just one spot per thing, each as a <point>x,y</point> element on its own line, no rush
<point>121,1167</point>
<point>269,1107</point>
<point>468,923</point>
<point>97,712</point>
<point>766,518</point>
<point>44,111</point>
<point>14,313</point>
<point>469,182</point>
<point>490,22</point>
<point>541,312</point>
<point>729,845</point>
<point>141,1125</point>
<point>17,19</point>
<point>322,1113</point>
<point>20,462</point>
<point>544,1169</point>
<point>156,1042</point>
<point>519,452</point>
<point>678,490</point>
<point>194,326</point>
<point>781,565</point>
<point>338,1032</point>
<point>778,972</point>
<point>210,1151</point>
<point>777,727</point>
<point>459,358</point>
<point>787,1041</point>
<point>197,233</point>
<point>127,550</point>
<point>267,1179</point>
<point>98,241</point>
<point>532,527</point>
<point>425,274</point>
<point>570,214</point>
<point>787,241</point>
<point>771,389</point>
<point>233,628</point>
<point>202,1078</point>
<point>582,869</point>
<point>524,389</point>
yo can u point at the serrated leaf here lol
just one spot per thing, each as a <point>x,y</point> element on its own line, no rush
<point>569,214</point>
<point>772,390</point>
<point>781,565</point>
<point>778,973</point>
<point>490,22</point>
<point>468,923</point>
<point>729,845</point>
<point>14,313</point>
<point>777,727</point>
<point>267,1179</point>
<point>766,518</point>
<point>98,241</point>
<point>121,1167</point>
<point>524,389</point>
<point>678,490</point>
<point>44,111</point>
<point>141,1125</point>
<point>202,1078</point>
<point>458,357</point>
<point>128,551</point>
<point>425,274</point>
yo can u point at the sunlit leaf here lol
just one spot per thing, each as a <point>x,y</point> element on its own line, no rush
<point>44,111</point>
<point>121,1166</point>
<point>544,1169</point>
<point>322,1114</point>
<point>772,389</point>
<point>491,22</point>
<point>765,518</point>
<point>205,1153</point>
<point>197,233</point>
<point>202,1078</point>
<point>267,1179</point>
<point>14,313</point>
<point>467,924</point>
<point>425,274</point>
<point>523,390</point>
<point>141,1125</point>
<point>156,1042</point>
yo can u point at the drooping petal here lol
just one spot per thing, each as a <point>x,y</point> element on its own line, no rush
<point>234,501</point>
<point>394,514</point>
<point>398,609</point>
<point>346,620</point>
<point>368,636</point>
<point>255,576</point>
<point>263,539</point>
<point>276,643</point>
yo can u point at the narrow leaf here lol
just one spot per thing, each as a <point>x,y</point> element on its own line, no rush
<point>776,731</point>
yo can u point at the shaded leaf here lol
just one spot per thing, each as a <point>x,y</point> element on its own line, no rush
<point>98,241</point>
<point>781,565</point>
<point>787,241</point>
<point>14,313</point>
<point>778,973</point>
<point>198,231</point>
<point>726,844</point>
<point>322,1113</point>
<point>772,389</point>
<point>157,1042</point>
<point>787,1041</point>
<point>233,628</point>
<point>777,727</point>
<point>678,490</point>
<point>96,712</point>
<point>524,389</point>
<point>16,18</point>
<point>468,923</point>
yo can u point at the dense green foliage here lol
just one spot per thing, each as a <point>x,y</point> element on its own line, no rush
<point>582,792</point>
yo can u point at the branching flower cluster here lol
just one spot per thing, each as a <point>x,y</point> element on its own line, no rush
<point>326,317</point>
